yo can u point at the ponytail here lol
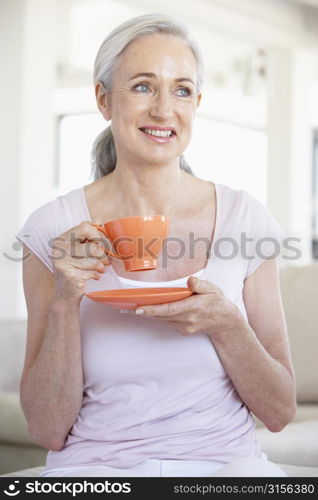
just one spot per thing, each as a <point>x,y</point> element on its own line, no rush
<point>103,154</point>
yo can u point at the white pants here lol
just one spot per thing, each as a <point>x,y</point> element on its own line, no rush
<point>240,467</point>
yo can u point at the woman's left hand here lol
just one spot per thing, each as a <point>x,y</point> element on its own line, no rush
<point>207,311</point>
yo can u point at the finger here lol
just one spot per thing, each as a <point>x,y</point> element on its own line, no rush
<point>79,242</point>
<point>168,310</point>
<point>172,309</point>
<point>89,249</point>
<point>202,286</point>
<point>86,230</point>
<point>90,275</point>
<point>78,235</point>
<point>179,310</point>
<point>98,221</point>
<point>102,245</point>
<point>93,264</point>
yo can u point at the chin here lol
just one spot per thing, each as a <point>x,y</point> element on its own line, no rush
<point>159,161</point>
<point>161,157</point>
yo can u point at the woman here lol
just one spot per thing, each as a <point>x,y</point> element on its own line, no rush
<point>169,391</point>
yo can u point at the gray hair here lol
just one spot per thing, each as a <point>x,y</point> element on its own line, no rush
<point>104,152</point>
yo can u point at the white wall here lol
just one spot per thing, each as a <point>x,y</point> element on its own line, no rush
<point>27,51</point>
<point>11,61</point>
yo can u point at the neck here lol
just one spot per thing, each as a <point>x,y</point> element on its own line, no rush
<point>148,190</point>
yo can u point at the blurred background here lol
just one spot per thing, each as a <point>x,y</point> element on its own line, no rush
<point>256,129</point>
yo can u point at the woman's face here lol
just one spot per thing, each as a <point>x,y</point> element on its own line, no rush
<point>153,100</point>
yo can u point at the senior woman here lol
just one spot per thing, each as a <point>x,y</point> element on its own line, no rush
<point>170,389</point>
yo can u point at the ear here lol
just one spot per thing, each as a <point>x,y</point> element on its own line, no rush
<point>103,100</point>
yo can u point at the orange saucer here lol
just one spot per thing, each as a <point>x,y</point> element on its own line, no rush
<point>135,297</point>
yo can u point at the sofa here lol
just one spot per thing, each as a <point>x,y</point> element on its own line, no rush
<point>295,448</point>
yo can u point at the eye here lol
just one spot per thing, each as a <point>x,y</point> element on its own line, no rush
<point>141,87</point>
<point>184,92</point>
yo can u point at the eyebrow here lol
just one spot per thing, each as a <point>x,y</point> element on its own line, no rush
<point>153,75</point>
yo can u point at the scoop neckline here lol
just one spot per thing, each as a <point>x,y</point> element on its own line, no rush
<point>122,281</point>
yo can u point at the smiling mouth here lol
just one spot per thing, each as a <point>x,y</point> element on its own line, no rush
<point>158,133</point>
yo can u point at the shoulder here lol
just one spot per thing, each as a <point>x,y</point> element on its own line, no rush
<point>238,199</point>
<point>48,221</point>
<point>70,209</point>
<point>241,205</point>
<point>251,224</point>
<point>48,214</point>
<point>42,219</point>
<point>242,211</point>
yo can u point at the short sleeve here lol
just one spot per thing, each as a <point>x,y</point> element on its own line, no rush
<point>265,235</point>
<point>39,232</point>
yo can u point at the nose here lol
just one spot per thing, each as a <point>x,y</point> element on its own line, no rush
<point>161,106</point>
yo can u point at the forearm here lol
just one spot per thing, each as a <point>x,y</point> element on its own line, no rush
<point>51,391</point>
<point>262,382</point>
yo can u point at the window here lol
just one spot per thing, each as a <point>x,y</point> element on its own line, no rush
<point>229,154</point>
<point>75,139</point>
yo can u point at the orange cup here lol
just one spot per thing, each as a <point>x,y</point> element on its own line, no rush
<point>136,240</point>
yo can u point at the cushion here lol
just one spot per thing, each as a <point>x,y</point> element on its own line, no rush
<point>32,472</point>
<point>15,457</point>
<point>13,340</point>
<point>13,426</point>
<point>306,412</point>
<point>296,444</point>
<point>299,471</point>
<point>299,292</point>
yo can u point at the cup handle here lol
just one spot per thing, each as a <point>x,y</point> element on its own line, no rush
<point>108,252</point>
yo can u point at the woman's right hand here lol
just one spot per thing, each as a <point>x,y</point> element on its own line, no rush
<point>76,258</point>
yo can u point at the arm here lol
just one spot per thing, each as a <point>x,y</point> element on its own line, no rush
<point>51,383</point>
<point>51,387</point>
<point>256,355</point>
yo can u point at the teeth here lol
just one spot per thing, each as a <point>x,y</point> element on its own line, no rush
<point>158,133</point>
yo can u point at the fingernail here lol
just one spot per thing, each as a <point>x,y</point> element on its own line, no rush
<point>140,311</point>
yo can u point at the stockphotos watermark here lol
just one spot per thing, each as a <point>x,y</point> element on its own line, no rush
<point>172,249</point>
<point>75,488</point>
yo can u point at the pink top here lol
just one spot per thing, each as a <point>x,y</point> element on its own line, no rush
<point>148,391</point>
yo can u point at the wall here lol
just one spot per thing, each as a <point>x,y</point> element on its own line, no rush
<point>11,29</point>
<point>27,128</point>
